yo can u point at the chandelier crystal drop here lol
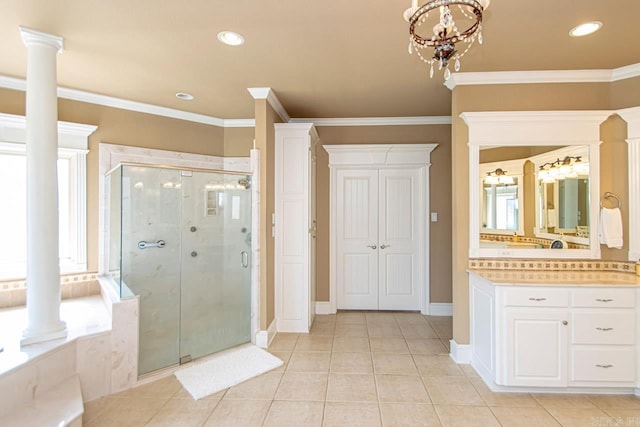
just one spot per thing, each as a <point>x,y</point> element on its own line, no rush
<point>439,25</point>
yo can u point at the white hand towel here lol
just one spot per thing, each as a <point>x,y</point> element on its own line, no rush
<point>551,217</point>
<point>611,228</point>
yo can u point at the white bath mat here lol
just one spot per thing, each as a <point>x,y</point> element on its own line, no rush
<point>225,369</point>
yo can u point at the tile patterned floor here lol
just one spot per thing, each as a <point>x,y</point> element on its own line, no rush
<point>361,369</point>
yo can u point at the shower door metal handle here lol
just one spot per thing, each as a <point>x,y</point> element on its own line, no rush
<point>244,259</point>
<point>144,245</point>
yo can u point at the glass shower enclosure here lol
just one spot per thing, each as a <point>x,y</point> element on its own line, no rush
<point>180,240</point>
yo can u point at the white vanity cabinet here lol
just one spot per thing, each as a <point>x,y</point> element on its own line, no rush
<point>603,338</point>
<point>545,336</point>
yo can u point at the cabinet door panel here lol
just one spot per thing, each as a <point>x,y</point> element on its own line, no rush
<point>357,240</point>
<point>401,268</point>
<point>536,348</point>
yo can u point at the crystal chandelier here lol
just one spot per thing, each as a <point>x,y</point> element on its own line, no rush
<point>433,25</point>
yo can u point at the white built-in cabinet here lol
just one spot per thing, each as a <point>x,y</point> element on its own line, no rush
<point>295,226</point>
<point>379,228</point>
<point>555,337</point>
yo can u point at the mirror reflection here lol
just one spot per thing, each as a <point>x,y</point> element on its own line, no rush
<point>534,196</point>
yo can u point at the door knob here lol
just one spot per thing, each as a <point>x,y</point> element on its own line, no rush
<point>383,246</point>
<point>372,246</point>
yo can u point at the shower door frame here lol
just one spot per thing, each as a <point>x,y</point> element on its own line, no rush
<point>110,156</point>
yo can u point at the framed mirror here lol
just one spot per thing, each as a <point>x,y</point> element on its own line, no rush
<point>534,184</point>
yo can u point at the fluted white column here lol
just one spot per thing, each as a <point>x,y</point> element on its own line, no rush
<point>43,269</point>
<point>632,117</point>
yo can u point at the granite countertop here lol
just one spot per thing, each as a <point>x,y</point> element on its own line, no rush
<point>557,278</point>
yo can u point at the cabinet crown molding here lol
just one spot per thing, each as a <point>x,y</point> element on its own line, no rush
<point>379,154</point>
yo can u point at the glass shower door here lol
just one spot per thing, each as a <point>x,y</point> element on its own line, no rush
<point>151,200</point>
<point>215,303</point>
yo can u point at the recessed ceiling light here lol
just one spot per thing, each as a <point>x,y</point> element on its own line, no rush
<point>584,29</point>
<point>230,38</point>
<point>184,96</point>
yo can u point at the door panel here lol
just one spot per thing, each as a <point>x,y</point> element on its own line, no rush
<point>357,235</point>
<point>400,235</point>
<point>215,292</point>
<point>536,355</point>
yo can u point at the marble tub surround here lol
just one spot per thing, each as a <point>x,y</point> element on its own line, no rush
<point>84,316</point>
<point>13,293</point>
<point>550,265</point>
<point>558,278</point>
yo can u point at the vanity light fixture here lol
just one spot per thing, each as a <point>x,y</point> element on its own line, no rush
<point>498,177</point>
<point>230,38</point>
<point>585,29</point>
<point>184,96</point>
<point>569,167</point>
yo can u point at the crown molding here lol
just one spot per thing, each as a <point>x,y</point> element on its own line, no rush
<point>529,127</point>
<point>239,123</point>
<point>528,77</point>
<point>268,94</point>
<point>558,76</point>
<point>377,121</point>
<point>627,72</point>
<point>124,104</point>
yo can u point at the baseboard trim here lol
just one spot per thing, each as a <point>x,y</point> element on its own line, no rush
<point>324,307</point>
<point>440,309</point>
<point>264,338</point>
<point>460,353</point>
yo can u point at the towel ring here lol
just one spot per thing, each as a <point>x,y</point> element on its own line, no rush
<point>611,198</point>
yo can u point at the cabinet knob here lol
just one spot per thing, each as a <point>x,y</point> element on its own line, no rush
<point>564,322</point>
<point>383,246</point>
<point>372,246</point>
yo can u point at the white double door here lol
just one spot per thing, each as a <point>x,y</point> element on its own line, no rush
<point>380,238</point>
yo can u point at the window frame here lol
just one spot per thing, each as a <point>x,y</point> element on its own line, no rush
<point>73,143</point>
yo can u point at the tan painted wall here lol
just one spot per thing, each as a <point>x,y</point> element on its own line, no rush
<point>577,96</point>
<point>265,117</point>
<point>440,191</point>
<point>238,141</point>
<point>625,93</point>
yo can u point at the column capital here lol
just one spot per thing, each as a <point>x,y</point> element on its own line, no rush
<point>30,37</point>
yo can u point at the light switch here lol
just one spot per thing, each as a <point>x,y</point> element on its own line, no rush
<point>434,216</point>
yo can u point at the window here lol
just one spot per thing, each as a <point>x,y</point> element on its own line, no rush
<point>72,151</point>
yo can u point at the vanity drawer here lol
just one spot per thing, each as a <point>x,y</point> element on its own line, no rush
<point>604,297</point>
<point>604,327</point>
<point>606,364</point>
<point>536,297</point>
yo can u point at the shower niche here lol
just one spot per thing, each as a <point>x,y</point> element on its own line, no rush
<point>180,240</point>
